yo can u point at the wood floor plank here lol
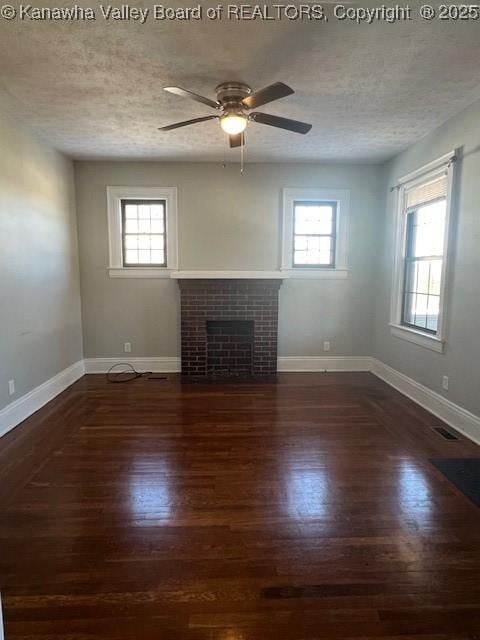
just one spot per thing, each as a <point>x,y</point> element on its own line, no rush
<point>298,509</point>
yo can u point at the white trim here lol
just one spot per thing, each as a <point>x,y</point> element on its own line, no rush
<point>324,363</point>
<point>156,364</point>
<point>428,168</point>
<point>428,173</point>
<point>417,337</point>
<point>1,620</point>
<point>315,274</point>
<point>213,275</point>
<point>114,197</point>
<point>342,198</point>
<point>139,272</point>
<point>23,407</point>
<point>460,419</point>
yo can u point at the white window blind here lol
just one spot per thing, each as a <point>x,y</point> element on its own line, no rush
<point>425,193</point>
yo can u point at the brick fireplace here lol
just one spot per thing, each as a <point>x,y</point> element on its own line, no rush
<point>229,327</point>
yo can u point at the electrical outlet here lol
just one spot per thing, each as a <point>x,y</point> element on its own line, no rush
<point>326,345</point>
<point>11,387</point>
<point>445,382</point>
<point>127,347</point>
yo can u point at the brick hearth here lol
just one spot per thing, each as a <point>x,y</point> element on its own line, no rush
<point>222,301</point>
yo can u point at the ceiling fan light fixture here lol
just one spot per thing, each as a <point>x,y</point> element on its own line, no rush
<point>233,123</point>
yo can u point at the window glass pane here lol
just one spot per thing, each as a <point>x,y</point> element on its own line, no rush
<point>156,242</point>
<point>144,256</point>
<point>131,242</point>
<point>316,219</point>
<point>156,226</point>
<point>435,277</point>
<point>420,310</point>
<point>144,242</point>
<point>313,233</point>
<point>300,257</point>
<point>300,243</point>
<point>311,258</point>
<point>131,211</point>
<point>131,256</point>
<point>432,313</point>
<point>425,238</point>
<point>313,243</point>
<point>131,226</point>
<point>144,232</point>
<point>157,256</point>
<point>428,230</point>
<point>156,211</point>
<point>144,211</point>
<point>325,245</point>
<point>144,226</point>
<point>432,323</point>
<point>409,314</point>
<point>411,276</point>
<point>423,276</point>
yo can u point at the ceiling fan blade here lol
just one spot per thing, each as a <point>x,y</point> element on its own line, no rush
<point>282,123</point>
<point>267,94</point>
<point>237,140</point>
<point>185,123</point>
<point>183,93</point>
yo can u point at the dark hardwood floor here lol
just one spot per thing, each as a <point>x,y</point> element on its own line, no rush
<point>301,509</point>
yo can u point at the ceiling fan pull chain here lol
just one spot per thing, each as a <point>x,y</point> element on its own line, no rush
<point>241,151</point>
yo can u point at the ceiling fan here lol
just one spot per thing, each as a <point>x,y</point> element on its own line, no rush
<point>234,103</point>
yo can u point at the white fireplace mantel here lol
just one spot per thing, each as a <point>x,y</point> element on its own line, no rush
<point>226,275</point>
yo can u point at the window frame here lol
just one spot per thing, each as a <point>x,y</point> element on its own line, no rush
<point>332,235</point>
<point>338,268</point>
<point>123,204</point>
<point>429,339</point>
<point>115,197</point>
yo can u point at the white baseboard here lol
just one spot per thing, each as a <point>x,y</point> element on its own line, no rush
<point>324,363</point>
<point>288,363</point>
<point>465,422</point>
<point>157,365</point>
<point>460,419</point>
<point>23,407</point>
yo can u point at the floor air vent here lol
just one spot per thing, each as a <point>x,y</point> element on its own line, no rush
<point>445,434</point>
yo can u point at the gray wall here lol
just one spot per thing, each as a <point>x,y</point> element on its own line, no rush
<point>226,221</point>
<point>461,360</point>
<point>40,320</point>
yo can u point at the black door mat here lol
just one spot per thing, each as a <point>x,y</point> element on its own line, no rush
<point>464,473</point>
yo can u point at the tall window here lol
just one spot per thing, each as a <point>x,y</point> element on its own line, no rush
<point>314,233</point>
<point>144,237</point>
<point>425,234</point>
<point>420,274</point>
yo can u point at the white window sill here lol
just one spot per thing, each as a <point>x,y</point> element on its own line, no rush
<point>417,337</point>
<point>316,274</point>
<point>139,272</point>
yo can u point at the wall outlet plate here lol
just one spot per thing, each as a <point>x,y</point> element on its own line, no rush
<point>11,387</point>
<point>445,382</point>
<point>326,345</point>
<point>127,347</point>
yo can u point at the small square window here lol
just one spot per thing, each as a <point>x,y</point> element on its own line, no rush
<point>314,233</point>
<point>144,238</point>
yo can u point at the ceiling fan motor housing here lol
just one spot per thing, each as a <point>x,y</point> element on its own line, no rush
<point>231,94</point>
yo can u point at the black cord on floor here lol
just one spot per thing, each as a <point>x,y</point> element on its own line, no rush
<point>130,373</point>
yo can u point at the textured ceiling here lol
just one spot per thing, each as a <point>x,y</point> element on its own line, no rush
<point>94,89</point>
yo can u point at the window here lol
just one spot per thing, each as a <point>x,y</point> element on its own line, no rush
<point>315,224</point>
<point>144,233</point>
<point>142,227</point>
<point>314,232</point>
<point>422,252</point>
